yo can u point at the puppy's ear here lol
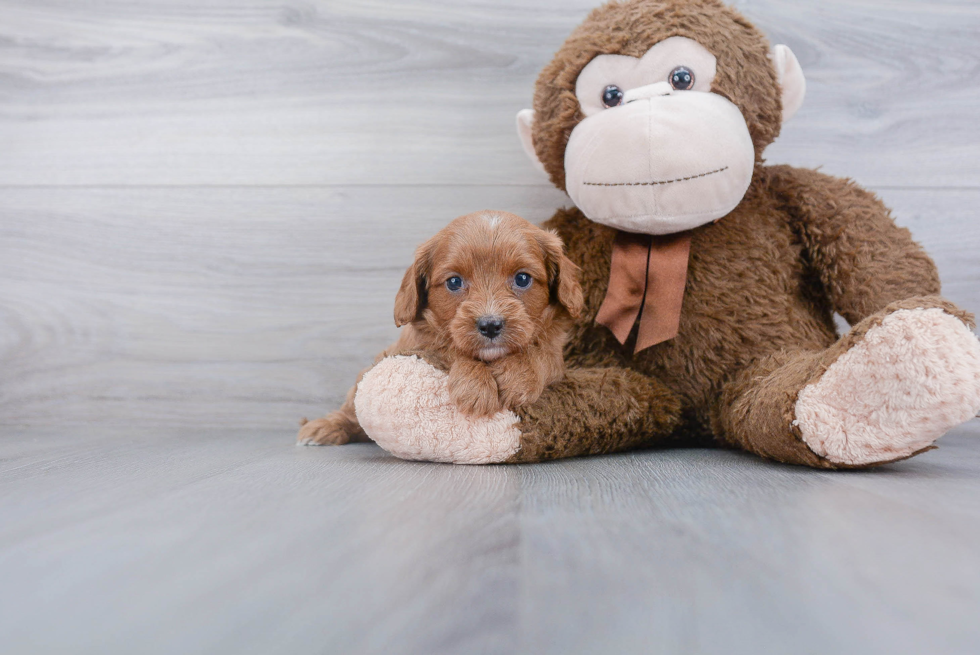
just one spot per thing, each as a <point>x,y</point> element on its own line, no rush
<point>413,293</point>
<point>562,274</point>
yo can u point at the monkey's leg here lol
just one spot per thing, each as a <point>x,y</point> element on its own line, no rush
<point>898,381</point>
<point>403,404</point>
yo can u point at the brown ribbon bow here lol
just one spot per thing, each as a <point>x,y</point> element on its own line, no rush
<point>646,280</point>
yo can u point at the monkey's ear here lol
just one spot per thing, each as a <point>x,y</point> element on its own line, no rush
<point>791,79</point>
<point>525,122</point>
<point>562,274</point>
<point>413,293</point>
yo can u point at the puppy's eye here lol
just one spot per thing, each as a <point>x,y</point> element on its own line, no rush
<point>681,78</point>
<point>612,96</point>
<point>455,283</point>
<point>522,280</point>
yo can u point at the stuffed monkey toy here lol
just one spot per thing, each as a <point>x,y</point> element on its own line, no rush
<point>711,279</point>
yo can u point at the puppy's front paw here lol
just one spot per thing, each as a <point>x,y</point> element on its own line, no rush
<point>473,389</point>
<point>517,382</point>
<point>513,397</point>
<point>331,430</point>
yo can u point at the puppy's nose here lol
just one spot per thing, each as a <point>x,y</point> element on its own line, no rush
<point>490,326</point>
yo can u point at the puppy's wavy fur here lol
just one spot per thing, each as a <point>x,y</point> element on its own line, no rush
<point>482,253</point>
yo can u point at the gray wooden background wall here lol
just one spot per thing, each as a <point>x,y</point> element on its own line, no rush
<point>205,207</point>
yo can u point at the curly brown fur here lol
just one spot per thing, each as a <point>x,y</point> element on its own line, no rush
<point>755,289</point>
<point>631,410</point>
<point>483,252</point>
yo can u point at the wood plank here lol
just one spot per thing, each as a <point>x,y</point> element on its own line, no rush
<point>254,307</point>
<point>254,92</point>
<point>944,222</point>
<point>890,86</point>
<point>202,541</point>
<point>207,306</point>
<point>704,552</point>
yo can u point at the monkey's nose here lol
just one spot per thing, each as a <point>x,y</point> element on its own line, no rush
<point>648,91</point>
<point>490,326</point>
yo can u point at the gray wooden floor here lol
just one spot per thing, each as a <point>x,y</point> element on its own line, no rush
<point>205,210</point>
<point>232,541</point>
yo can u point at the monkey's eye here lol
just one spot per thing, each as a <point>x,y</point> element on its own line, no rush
<point>455,283</point>
<point>681,78</point>
<point>522,280</point>
<point>612,96</point>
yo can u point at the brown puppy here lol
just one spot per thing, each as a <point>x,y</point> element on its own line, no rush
<point>490,298</point>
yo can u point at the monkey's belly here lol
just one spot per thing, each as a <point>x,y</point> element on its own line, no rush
<point>713,347</point>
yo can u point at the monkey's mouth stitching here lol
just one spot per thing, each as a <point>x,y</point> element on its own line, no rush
<point>680,179</point>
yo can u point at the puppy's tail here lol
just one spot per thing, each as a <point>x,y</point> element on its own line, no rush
<point>303,421</point>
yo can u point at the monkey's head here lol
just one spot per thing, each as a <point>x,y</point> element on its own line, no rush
<point>654,113</point>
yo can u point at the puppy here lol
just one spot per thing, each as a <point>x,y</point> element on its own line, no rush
<point>490,298</point>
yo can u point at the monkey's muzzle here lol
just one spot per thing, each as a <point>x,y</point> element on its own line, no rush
<point>660,163</point>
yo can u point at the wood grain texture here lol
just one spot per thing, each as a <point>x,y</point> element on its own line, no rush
<point>237,186</point>
<point>254,307</point>
<point>226,541</point>
<point>236,307</point>
<point>326,92</point>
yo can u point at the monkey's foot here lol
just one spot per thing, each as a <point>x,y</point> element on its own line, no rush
<point>403,404</point>
<point>912,378</point>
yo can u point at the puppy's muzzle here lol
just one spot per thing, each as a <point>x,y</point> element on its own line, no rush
<point>490,326</point>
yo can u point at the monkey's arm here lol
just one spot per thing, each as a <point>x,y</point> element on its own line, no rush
<point>404,405</point>
<point>863,259</point>
<point>594,411</point>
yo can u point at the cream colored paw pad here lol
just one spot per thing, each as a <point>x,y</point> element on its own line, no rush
<point>911,379</point>
<point>403,404</point>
